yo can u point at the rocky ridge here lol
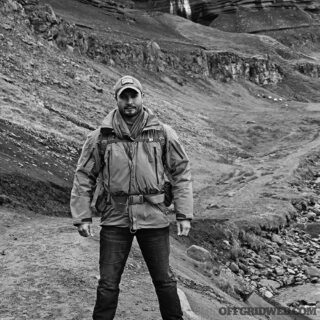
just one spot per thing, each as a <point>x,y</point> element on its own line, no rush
<point>199,63</point>
<point>224,66</point>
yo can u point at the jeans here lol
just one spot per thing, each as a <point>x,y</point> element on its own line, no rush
<point>115,245</point>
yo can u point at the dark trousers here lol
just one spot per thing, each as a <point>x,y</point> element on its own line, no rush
<point>115,245</point>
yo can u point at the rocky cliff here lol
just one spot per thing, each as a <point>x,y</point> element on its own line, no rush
<point>196,57</point>
<point>205,11</point>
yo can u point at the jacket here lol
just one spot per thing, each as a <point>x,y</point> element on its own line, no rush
<point>128,177</point>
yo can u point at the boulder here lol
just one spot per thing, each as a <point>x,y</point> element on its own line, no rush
<point>268,294</point>
<point>313,271</point>
<point>296,261</point>
<point>291,271</point>
<point>270,284</point>
<point>277,239</point>
<point>198,253</point>
<point>288,280</point>
<point>234,267</point>
<point>311,215</point>
<point>274,258</point>
<point>279,271</point>
<point>244,267</point>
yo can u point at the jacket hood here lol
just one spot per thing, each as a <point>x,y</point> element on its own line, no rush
<point>152,122</point>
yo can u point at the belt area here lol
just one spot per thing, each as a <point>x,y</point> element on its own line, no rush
<point>140,198</point>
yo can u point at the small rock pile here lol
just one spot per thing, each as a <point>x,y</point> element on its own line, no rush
<point>289,258</point>
<point>222,276</point>
<point>309,207</point>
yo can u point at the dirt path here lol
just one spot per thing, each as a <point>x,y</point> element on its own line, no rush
<point>49,272</point>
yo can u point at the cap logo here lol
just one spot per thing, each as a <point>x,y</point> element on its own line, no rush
<point>126,81</point>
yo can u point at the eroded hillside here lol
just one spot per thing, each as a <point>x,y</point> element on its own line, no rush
<point>57,78</point>
<point>247,108</point>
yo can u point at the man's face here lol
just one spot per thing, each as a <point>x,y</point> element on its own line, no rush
<point>129,102</point>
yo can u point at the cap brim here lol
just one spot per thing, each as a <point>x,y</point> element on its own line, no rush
<point>127,87</point>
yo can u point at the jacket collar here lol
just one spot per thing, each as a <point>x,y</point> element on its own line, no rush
<point>152,122</point>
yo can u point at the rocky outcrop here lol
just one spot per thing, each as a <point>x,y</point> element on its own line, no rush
<point>229,66</point>
<point>181,7</point>
<point>223,6</point>
<point>206,9</point>
<point>110,4</point>
<point>310,69</point>
<point>200,63</point>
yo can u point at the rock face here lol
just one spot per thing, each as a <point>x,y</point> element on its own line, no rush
<point>206,10</point>
<point>229,66</point>
<point>309,69</point>
<point>200,63</point>
<point>110,4</point>
<point>294,23</point>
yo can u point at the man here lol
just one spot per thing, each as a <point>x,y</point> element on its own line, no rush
<point>122,171</point>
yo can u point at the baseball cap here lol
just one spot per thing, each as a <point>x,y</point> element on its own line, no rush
<point>127,82</point>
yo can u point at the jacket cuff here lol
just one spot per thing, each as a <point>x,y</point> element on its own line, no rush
<point>180,216</point>
<point>77,222</point>
<point>80,209</point>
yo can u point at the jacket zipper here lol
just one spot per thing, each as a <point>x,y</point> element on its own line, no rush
<point>177,151</point>
<point>109,178</point>
<point>156,163</point>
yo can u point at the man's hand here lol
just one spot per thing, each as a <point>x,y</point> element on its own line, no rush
<point>84,229</point>
<point>184,227</point>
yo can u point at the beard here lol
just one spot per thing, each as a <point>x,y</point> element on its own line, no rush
<point>130,111</point>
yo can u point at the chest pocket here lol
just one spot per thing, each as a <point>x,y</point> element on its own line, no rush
<point>117,171</point>
<point>149,164</point>
<point>149,167</point>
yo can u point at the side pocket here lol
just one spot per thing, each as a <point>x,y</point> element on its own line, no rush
<point>102,201</point>
<point>100,198</point>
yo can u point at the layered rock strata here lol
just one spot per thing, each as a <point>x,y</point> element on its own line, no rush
<point>200,63</point>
